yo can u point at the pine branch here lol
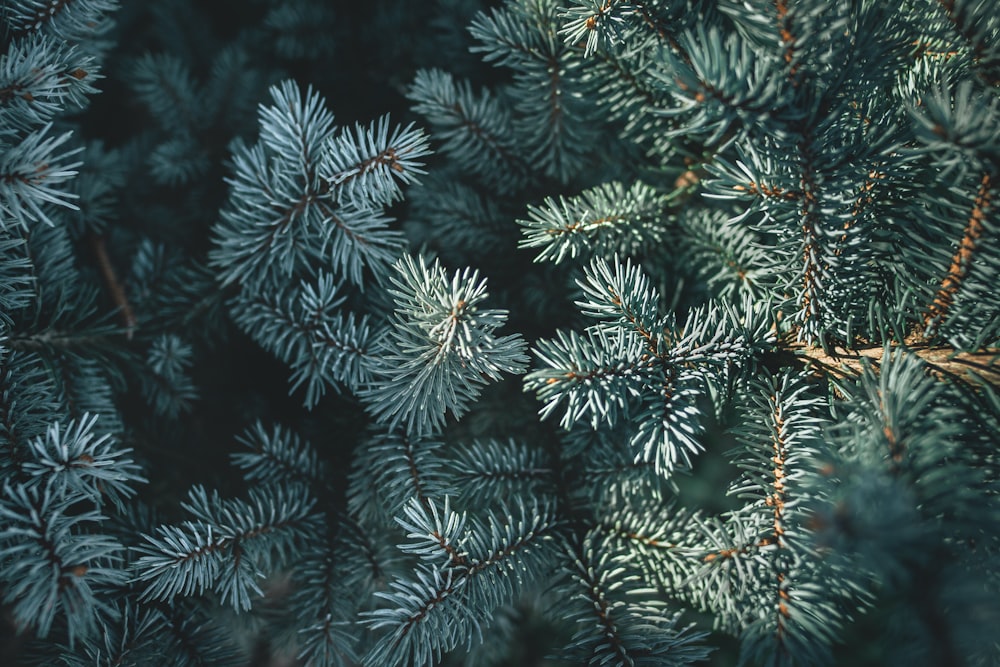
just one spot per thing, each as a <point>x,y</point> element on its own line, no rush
<point>54,566</point>
<point>961,262</point>
<point>114,285</point>
<point>468,568</point>
<point>40,77</point>
<point>192,640</point>
<point>30,176</point>
<point>653,536</point>
<point>943,362</point>
<point>603,220</point>
<point>475,129</point>
<point>441,349</point>
<point>364,166</point>
<point>490,471</point>
<point>973,24</point>
<point>280,456</point>
<point>639,364</point>
<point>617,620</point>
<point>607,24</point>
<point>55,339</point>
<point>286,215</point>
<point>226,548</point>
<point>69,20</point>
<point>328,589</point>
<point>815,267</point>
<point>303,327</point>
<point>73,461</point>
<point>393,469</point>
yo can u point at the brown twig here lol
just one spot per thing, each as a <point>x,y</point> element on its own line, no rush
<point>961,261</point>
<point>943,362</point>
<point>114,285</point>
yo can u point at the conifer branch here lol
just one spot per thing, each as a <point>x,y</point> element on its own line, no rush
<point>475,129</point>
<point>441,348</point>
<point>605,617</point>
<point>768,191</point>
<point>114,285</point>
<point>59,340</point>
<point>827,308</point>
<point>961,261</point>
<point>52,565</point>
<point>226,547</point>
<point>645,91</point>
<point>280,456</point>
<point>618,621</point>
<point>165,84</point>
<point>396,468</point>
<point>970,25</point>
<point>945,363</point>
<point>814,269</point>
<point>864,199</point>
<point>302,328</point>
<point>777,501</point>
<point>468,568</point>
<point>491,471</point>
<point>364,166</point>
<point>787,35</point>
<point>606,218</point>
<point>46,12</point>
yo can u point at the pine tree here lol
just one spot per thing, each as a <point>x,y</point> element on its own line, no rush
<point>594,332</point>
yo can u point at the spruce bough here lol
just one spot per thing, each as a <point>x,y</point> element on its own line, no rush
<point>638,333</point>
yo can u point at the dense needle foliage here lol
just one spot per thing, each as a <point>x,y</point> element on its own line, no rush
<point>500,333</point>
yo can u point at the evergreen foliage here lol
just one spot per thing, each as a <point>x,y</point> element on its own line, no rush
<point>660,332</point>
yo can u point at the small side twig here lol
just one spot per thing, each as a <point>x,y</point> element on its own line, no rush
<point>114,285</point>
